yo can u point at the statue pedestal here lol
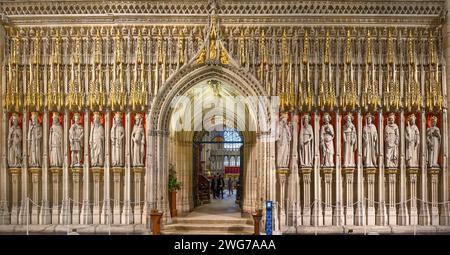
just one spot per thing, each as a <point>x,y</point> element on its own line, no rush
<point>327,195</point>
<point>97,173</point>
<point>56,194</point>
<point>282,176</point>
<point>34,199</point>
<point>76,177</point>
<point>138,172</point>
<point>117,180</point>
<point>392,195</point>
<point>412,195</point>
<point>15,209</point>
<point>433,194</point>
<point>305,179</point>
<point>370,193</point>
<point>347,173</point>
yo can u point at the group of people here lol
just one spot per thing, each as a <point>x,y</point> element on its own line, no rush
<point>218,185</point>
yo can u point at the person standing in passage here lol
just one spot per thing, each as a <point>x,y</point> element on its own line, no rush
<point>213,186</point>
<point>221,186</point>
<point>230,186</point>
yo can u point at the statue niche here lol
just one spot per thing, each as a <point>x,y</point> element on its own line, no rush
<point>97,142</point>
<point>14,142</point>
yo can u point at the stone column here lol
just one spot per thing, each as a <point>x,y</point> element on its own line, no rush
<point>127,213</point>
<point>148,173</point>
<point>271,187</point>
<point>403,215</point>
<point>65,215</point>
<point>317,219</point>
<point>45,212</point>
<point>256,182</point>
<point>360,212</point>
<point>24,212</point>
<point>86,212</point>
<point>246,181</point>
<point>183,159</point>
<point>293,182</point>
<point>24,205</point>
<point>4,177</point>
<point>163,176</point>
<point>380,218</point>
<point>106,214</point>
<point>338,213</point>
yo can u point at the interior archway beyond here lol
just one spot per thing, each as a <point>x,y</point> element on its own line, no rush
<point>189,125</point>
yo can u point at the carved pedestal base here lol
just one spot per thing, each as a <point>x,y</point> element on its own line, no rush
<point>348,195</point>
<point>34,200</point>
<point>138,172</point>
<point>75,202</point>
<point>433,194</point>
<point>392,195</point>
<point>412,195</point>
<point>281,176</point>
<point>56,203</point>
<point>97,174</point>
<point>305,177</point>
<point>15,209</point>
<point>327,178</point>
<point>370,194</point>
<point>117,180</point>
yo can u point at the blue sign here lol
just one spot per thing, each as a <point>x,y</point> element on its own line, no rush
<point>269,218</point>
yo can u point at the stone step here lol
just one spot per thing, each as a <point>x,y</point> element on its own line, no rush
<point>218,228</point>
<point>185,220</point>
<point>203,232</point>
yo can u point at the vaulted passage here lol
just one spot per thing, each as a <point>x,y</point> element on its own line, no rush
<point>218,145</point>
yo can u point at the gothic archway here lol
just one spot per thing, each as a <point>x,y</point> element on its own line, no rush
<point>178,84</point>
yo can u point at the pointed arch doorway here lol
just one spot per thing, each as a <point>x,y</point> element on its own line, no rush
<point>218,154</point>
<point>220,142</point>
<point>174,121</point>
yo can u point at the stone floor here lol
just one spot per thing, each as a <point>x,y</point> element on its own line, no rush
<point>221,216</point>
